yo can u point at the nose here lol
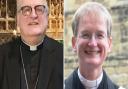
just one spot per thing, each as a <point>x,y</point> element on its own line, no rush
<point>92,42</point>
<point>34,14</point>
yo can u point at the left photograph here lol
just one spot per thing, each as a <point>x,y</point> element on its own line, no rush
<point>31,44</point>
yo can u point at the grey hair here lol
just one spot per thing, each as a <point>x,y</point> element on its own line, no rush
<point>87,7</point>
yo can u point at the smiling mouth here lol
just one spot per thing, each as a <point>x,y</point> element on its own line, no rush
<point>92,52</point>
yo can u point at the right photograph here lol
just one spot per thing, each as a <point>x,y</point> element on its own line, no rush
<point>95,44</point>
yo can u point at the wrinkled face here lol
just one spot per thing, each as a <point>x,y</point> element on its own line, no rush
<point>92,43</point>
<point>34,23</point>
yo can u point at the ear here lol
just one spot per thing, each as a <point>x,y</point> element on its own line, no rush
<point>74,43</point>
<point>110,44</point>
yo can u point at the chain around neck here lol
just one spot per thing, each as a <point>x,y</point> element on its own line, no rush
<point>26,81</point>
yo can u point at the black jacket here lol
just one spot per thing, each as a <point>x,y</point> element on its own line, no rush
<point>73,82</point>
<point>51,68</point>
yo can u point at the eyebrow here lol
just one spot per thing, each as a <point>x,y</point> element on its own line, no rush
<point>88,31</point>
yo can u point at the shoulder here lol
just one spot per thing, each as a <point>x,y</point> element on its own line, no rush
<point>9,45</point>
<point>51,44</point>
<point>52,41</point>
<point>110,83</point>
<point>55,51</point>
<point>7,50</point>
<point>11,41</point>
<point>69,82</point>
<point>69,79</point>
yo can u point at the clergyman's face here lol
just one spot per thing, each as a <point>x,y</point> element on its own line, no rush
<point>34,23</point>
<point>92,43</point>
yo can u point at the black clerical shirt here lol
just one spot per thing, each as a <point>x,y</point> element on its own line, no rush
<point>73,82</point>
<point>31,61</point>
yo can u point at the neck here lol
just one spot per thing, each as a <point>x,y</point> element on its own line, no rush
<point>90,73</point>
<point>32,41</point>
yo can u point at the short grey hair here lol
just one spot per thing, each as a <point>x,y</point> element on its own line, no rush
<point>87,7</point>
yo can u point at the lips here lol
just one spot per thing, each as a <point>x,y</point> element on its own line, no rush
<point>33,23</point>
<point>92,52</point>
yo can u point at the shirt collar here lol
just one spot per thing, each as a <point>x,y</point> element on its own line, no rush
<point>30,47</point>
<point>90,84</point>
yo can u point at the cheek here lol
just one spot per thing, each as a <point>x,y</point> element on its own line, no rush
<point>105,49</point>
<point>81,45</point>
<point>22,22</point>
<point>43,20</point>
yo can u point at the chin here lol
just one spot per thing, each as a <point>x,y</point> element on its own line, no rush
<point>35,34</point>
<point>37,31</point>
<point>93,62</point>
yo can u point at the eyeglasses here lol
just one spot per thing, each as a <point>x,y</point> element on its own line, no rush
<point>27,10</point>
<point>97,35</point>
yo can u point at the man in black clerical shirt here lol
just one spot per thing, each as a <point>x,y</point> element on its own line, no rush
<point>33,60</point>
<point>92,42</point>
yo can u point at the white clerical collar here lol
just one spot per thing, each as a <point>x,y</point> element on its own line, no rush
<point>88,83</point>
<point>33,47</point>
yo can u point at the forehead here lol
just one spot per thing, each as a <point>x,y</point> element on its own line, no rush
<point>31,2</point>
<point>93,22</point>
<point>93,18</point>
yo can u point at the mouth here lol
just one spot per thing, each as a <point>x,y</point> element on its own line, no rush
<point>92,52</point>
<point>33,23</point>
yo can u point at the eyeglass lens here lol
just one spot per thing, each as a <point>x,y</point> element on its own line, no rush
<point>27,10</point>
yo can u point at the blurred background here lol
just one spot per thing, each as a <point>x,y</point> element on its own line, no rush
<point>8,27</point>
<point>116,64</point>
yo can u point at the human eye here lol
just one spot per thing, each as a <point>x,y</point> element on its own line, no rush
<point>40,9</point>
<point>85,35</point>
<point>26,10</point>
<point>100,35</point>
